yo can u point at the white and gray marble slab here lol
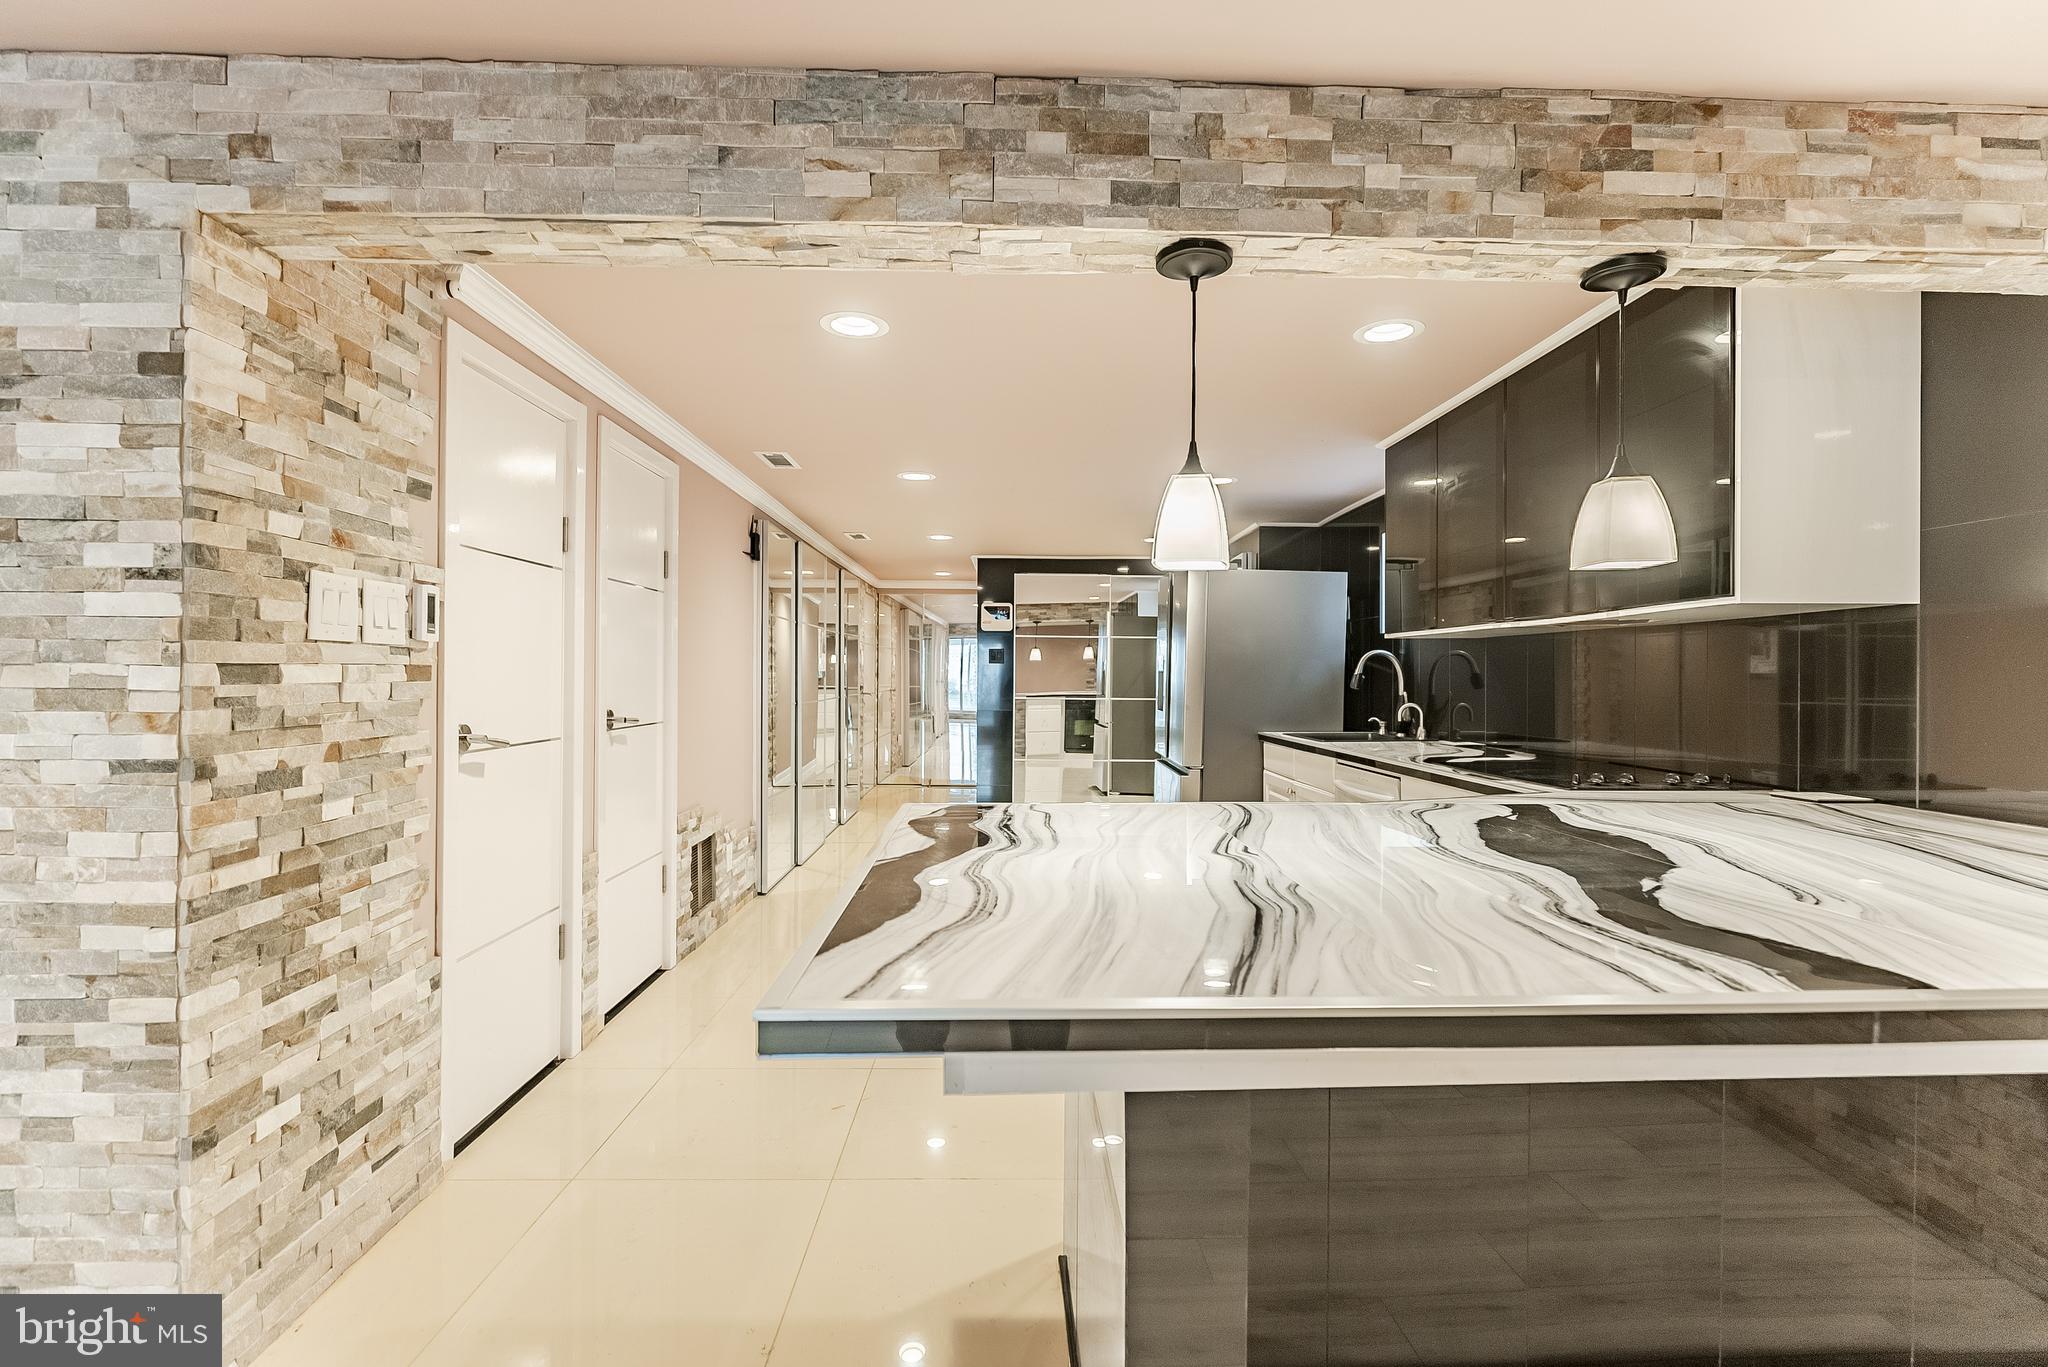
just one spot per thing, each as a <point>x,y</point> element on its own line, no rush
<point>1551,903</point>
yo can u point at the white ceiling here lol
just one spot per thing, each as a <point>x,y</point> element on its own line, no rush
<point>1963,50</point>
<point>1051,407</point>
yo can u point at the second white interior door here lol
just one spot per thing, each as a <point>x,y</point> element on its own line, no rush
<point>635,647</point>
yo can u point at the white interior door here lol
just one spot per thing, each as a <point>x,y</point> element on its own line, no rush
<point>512,448</point>
<point>636,745</point>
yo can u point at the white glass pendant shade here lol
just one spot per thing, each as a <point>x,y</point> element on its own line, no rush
<point>1087,652</point>
<point>1036,655</point>
<point>1624,524</point>
<point>1191,534</point>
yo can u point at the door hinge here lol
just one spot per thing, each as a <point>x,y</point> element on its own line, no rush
<point>565,535</point>
<point>561,942</point>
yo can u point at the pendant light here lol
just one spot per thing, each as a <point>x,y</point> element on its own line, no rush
<point>1190,533</point>
<point>1036,654</point>
<point>1087,652</point>
<point>1624,522</point>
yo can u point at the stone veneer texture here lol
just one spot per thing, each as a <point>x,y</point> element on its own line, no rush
<point>309,1023</point>
<point>733,856</point>
<point>438,160</point>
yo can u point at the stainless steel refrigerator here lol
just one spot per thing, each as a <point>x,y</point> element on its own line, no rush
<point>1240,652</point>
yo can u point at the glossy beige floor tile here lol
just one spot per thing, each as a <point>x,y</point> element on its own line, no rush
<point>968,1270</point>
<point>661,1022</point>
<point>908,1128</point>
<point>388,1306</point>
<point>555,1128</point>
<point>727,1123</point>
<point>624,1273</point>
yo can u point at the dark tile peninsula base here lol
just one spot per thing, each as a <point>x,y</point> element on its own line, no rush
<point>1823,1223</point>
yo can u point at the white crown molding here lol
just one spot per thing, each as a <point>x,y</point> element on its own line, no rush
<point>496,304</point>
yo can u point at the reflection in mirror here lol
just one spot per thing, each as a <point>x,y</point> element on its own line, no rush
<point>926,688</point>
<point>817,700</point>
<point>777,838</point>
<point>1085,682</point>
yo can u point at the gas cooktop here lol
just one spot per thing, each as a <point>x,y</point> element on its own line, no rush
<point>1551,769</point>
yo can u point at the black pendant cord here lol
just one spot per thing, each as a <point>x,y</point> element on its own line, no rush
<point>1621,467</point>
<point>1194,364</point>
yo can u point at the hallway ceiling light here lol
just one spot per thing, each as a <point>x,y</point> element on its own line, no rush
<point>1387,330</point>
<point>944,574</point>
<point>1190,533</point>
<point>915,476</point>
<point>858,326</point>
<point>1624,522</point>
<point>939,536</point>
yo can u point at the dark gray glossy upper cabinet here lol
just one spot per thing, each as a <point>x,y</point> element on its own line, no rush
<point>1548,462</point>
<point>1679,388</point>
<point>1410,554</point>
<point>1468,512</point>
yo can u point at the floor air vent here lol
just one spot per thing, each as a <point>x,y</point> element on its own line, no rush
<point>703,873</point>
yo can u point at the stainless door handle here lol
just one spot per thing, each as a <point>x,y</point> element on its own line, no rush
<point>613,721</point>
<point>465,739</point>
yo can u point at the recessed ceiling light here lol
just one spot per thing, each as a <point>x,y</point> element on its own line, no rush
<point>915,476</point>
<point>935,1142</point>
<point>943,574</point>
<point>939,536</point>
<point>1226,479</point>
<point>856,325</point>
<point>1387,330</point>
<point>911,1352</point>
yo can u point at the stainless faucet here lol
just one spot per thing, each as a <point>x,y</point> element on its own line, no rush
<point>1402,705</point>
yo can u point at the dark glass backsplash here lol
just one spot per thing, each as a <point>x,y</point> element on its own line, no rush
<point>1824,701</point>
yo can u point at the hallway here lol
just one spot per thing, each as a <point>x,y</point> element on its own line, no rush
<point>668,1197</point>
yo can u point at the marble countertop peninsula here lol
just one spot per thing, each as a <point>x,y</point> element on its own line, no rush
<point>1486,904</point>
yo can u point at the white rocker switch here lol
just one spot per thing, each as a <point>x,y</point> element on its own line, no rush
<point>386,607</point>
<point>333,606</point>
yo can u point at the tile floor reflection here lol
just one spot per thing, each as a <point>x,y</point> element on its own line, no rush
<point>667,1197</point>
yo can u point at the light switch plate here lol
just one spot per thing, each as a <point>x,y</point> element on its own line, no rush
<point>386,606</point>
<point>333,606</point>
